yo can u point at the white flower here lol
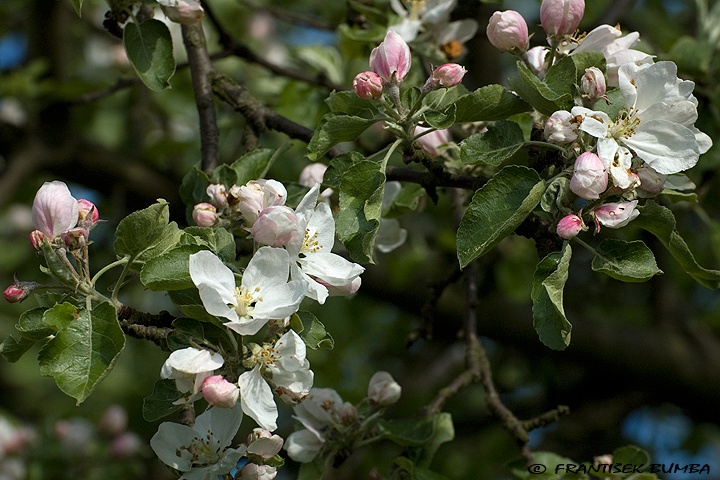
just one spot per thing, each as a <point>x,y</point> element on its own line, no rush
<point>657,123</point>
<point>200,451</point>
<point>189,367</point>
<point>383,389</point>
<point>264,292</point>
<point>310,252</point>
<point>253,471</point>
<point>616,215</point>
<point>263,443</point>
<point>291,375</point>
<point>432,16</point>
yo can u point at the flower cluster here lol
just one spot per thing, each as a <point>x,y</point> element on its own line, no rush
<point>613,159</point>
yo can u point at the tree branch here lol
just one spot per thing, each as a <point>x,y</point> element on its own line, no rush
<point>200,70</point>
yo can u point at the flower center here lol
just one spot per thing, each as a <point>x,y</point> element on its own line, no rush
<point>417,8</point>
<point>245,300</point>
<point>625,125</point>
<point>310,242</point>
<point>204,450</point>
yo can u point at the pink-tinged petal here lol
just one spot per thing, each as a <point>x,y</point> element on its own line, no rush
<point>666,146</point>
<point>257,400</point>
<point>392,56</point>
<point>331,268</point>
<point>54,210</point>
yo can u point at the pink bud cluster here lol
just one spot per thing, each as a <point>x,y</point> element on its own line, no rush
<point>241,202</point>
<point>561,17</point>
<point>390,64</point>
<point>57,214</point>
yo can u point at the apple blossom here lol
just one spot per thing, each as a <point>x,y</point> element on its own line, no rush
<point>391,59</point>
<point>508,31</point>
<point>88,214</point>
<point>37,238</point>
<point>264,292</point>
<point>368,85</point>
<point>255,196</point>
<point>219,392</point>
<point>189,367</point>
<point>285,362</point>
<point>560,127</point>
<point>561,17</point>
<point>114,420</point>
<point>590,177</point>
<point>314,173</point>
<point>657,123</point>
<point>383,389</point>
<point>54,210</point>
<point>535,59</point>
<point>569,226</point>
<point>310,252</point>
<point>263,443</point>
<point>201,451</point>
<point>126,445</point>
<point>616,215</point>
<point>252,471</point>
<point>218,195</point>
<point>275,227</point>
<point>592,83</point>
<point>446,75</point>
<point>186,12</point>
<point>651,182</point>
<point>433,140</point>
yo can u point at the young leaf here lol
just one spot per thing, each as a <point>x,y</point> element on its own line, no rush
<point>660,221</point>
<point>496,210</point>
<point>150,51</point>
<point>501,141</point>
<point>218,240</point>
<point>441,119</point>
<point>160,403</point>
<point>77,5</point>
<point>12,347</point>
<point>346,102</point>
<point>169,271</point>
<point>549,318</point>
<point>336,129</point>
<point>312,331</point>
<point>32,325</point>
<point>625,261</point>
<point>146,233</point>
<point>537,93</point>
<point>338,166</point>
<point>417,473</point>
<point>188,332</point>
<point>358,219</point>
<point>84,351</point>
<point>491,102</point>
<point>252,165</point>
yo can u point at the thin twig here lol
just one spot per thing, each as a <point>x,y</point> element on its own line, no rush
<point>200,70</point>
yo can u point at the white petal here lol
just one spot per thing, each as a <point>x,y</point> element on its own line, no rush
<point>291,350</point>
<point>308,202</point>
<point>303,446</point>
<point>314,289</point>
<point>206,268</point>
<point>167,441</point>
<point>331,268</point>
<point>407,29</point>
<point>224,424</point>
<point>389,235</point>
<point>192,360</point>
<point>268,267</point>
<point>218,302</point>
<point>322,222</point>
<point>280,301</point>
<point>460,31</point>
<point>298,382</point>
<point>666,146</point>
<point>257,399</point>
<point>247,325</point>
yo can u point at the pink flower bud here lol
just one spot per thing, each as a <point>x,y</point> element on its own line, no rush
<point>391,59</point>
<point>87,212</point>
<point>651,182</point>
<point>75,238</point>
<point>368,85</point>
<point>218,195</point>
<point>431,141</point>
<point>508,32</point>
<point>275,226</point>
<point>561,17</point>
<point>205,215</point>
<point>616,215</point>
<point>263,443</point>
<point>312,174</point>
<point>37,238</point>
<point>54,209</point>
<point>593,83</point>
<point>383,389</point>
<point>186,12</point>
<point>447,75</point>
<point>219,392</point>
<point>569,226</point>
<point>255,196</point>
<point>16,293</point>
<point>560,127</point>
<point>590,177</point>
<point>535,58</point>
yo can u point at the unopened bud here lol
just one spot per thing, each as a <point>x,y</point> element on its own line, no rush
<point>255,196</point>
<point>87,212</point>
<point>54,210</point>
<point>535,58</point>
<point>561,17</point>
<point>569,226</point>
<point>186,12</point>
<point>391,59</point>
<point>204,215</point>
<point>37,238</point>
<point>218,195</point>
<point>590,177</point>
<point>219,392</point>
<point>593,83</point>
<point>447,75</point>
<point>75,237</point>
<point>368,85</point>
<point>383,389</point>
<point>275,226</point>
<point>263,443</point>
<point>18,291</point>
<point>252,471</point>
<point>508,31</point>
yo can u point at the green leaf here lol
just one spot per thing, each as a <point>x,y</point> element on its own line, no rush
<point>146,233</point>
<point>563,77</point>
<point>169,271</point>
<point>549,318</point>
<point>358,218</point>
<point>13,348</point>
<point>311,471</point>
<point>660,221</point>
<point>631,455</point>
<point>32,324</point>
<point>491,102</point>
<point>159,403</point>
<point>77,5</point>
<point>408,432</point>
<point>347,103</point>
<point>84,351</point>
<point>692,55</point>
<point>409,199</point>
<point>441,119</point>
<point>150,51</point>
<point>537,93</point>
<point>501,141</point>
<point>443,432</point>
<point>496,210</point>
<point>225,175</point>
<point>625,261</point>
<point>312,331</point>
<point>252,165</point>
<point>56,267</point>
<point>189,303</point>
<point>194,187</point>
<point>218,240</point>
<point>339,166</point>
<point>336,129</point>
